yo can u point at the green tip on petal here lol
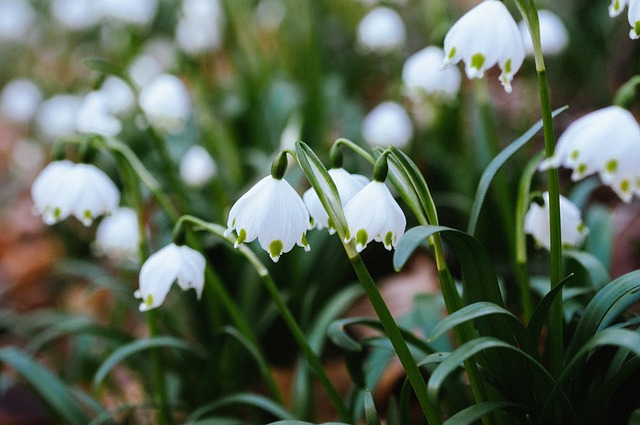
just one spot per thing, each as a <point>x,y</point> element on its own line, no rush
<point>305,243</point>
<point>275,249</point>
<point>388,240</point>
<point>361,239</point>
<point>575,154</point>
<point>625,186</point>
<point>612,166</point>
<point>452,53</point>
<point>241,237</point>
<point>477,61</point>
<point>582,168</point>
<point>507,66</point>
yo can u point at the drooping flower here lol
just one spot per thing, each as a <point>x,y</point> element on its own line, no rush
<point>422,74</point>
<point>633,16</point>
<point>373,214</point>
<point>139,12</point>
<point>171,263</point>
<point>607,142</point>
<point>387,124</point>
<point>347,184</point>
<point>484,36</point>
<point>200,26</point>
<point>272,212</point>
<point>118,236</point>
<point>554,37</point>
<point>196,166</point>
<point>166,103</point>
<point>381,31</point>
<point>95,116</point>
<point>64,188</point>
<point>56,116</point>
<point>20,100</point>
<point>572,229</point>
<point>76,14</point>
<point>17,19</point>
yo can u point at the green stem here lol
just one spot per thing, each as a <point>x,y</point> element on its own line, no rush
<point>164,416</point>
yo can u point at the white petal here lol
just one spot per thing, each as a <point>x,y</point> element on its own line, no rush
<point>616,7</point>
<point>634,19</point>
<point>242,215</point>
<point>156,276</point>
<point>536,223</point>
<point>191,271</point>
<point>118,236</point>
<point>387,124</point>
<point>422,74</point>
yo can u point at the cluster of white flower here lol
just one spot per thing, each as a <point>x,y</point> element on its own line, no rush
<point>633,16</point>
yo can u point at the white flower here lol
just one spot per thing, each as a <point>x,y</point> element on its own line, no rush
<point>347,184</point>
<point>64,188</point>
<point>387,124</point>
<point>381,31</point>
<point>165,101</point>
<point>17,18</point>
<point>95,116</point>
<point>607,142</point>
<point>554,36</point>
<point>572,229</point>
<point>422,74</point>
<point>274,213</point>
<point>118,236</point>
<point>373,214</point>
<point>199,27</point>
<point>20,100</point>
<point>56,116</point>
<point>484,36</point>
<point>633,16</point>
<point>173,262</point>
<point>138,12</point>
<point>118,95</point>
<point>197,166</point>
<point>76,14</point>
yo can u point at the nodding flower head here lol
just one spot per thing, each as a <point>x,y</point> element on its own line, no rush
<point>536,223</point>
<point>633,15</point>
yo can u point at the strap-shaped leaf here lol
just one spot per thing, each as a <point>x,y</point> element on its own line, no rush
<point>245,399</point>
<point>541,312</point>
<point>475,412</point>
<point>370,412</point>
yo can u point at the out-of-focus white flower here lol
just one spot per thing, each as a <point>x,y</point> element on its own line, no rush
<point>165,101</point>
<point>17,18</point>
<point>484,36</point>
<point>144,68</point>
<point>607,142</point>
<point>56,116</point>
<point>373,214</point>
<point>118,236</point>
<point>633,16</point>
<point>118,95</point>
<point>387,124</point>
<point>269,14</point>
<point>381,31</point>
<point>76,14</point>
<point>554,36</point>
<point>173,262</point>
<point>95,116</point>
<point>200,26</point>
<point>64,188</point>
<point>274,213</point>
<point>20,100</point>
<point>422,74</point>
<point>572,229</point>
<point>138,12</point>
<point>197,167</point>
<point>347,184</point>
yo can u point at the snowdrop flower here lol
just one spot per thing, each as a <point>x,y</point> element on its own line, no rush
<point>484,36</point>
<point>165,101</point>
<point>76,14</point>
<point>138,12</point>
<point>607,142</point>
<point>536,223</point>
<point>274,213</point>
<point>17,18</point>
<point>199,27</point>
<point>373,214</point>
<point>118,236</point>
<point>422,74</point>
<point>118,95</point>
<point>20,100</point>
<point>387,124</point>
<point>64,188</point>
<point>381,31</point>
<point>95,116</point>
<point>554,36</point>
<point>633,16</point>
<point>56,116</point>
<point>173,262</point>
<point>197,167</point>
<point>347,184</point>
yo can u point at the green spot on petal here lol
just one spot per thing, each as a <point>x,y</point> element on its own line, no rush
<point>636,28</point>
<point>362,237</point>
<point>275,249</point>
<point>582,168</point>
<point>507,67</point>
<point>625,186</point>
<point>612,166</point>
<point>56,213</point>
<point>477,61</point>
<point>575,154</point>
<point>388,239</point>
<point>241,236</point>
<point>304,241</point>
<point>452,53</point>
<point>149,300</point>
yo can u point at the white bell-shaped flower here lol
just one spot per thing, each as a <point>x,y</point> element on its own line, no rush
<point>381,31</point>
<point>347,184</point>
<point>607,142</point>
<point>554,37</point>
<point>197,167</point>
<point>118,236</point>
<point>17,19</point>
<point>20,100</point>
<point>200,26</point>
<point>171,263</point>
<point>373,214</point>
<point>422,74</point>
<point>483,37</point>
<point>138,12</point>
<point>56,116</point>
<point>76,14</point>
<point>64,188</point>
<point>387,124</point>
<point>274,213</point>
<point>617,6</point>
<point>95,116</point>
<point>119,96</point>
<point>166,103</point>
<point>572,229</point>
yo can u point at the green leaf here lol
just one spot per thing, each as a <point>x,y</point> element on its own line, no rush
<point>294,422</point>
<point>370,412</point>
<point>596,271</point>
<point>475,412</point>
<point>495,165</point>
<point>541,312</point>
<point>52,390</point>
<point>246,399</point>
<point>135,347</point>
